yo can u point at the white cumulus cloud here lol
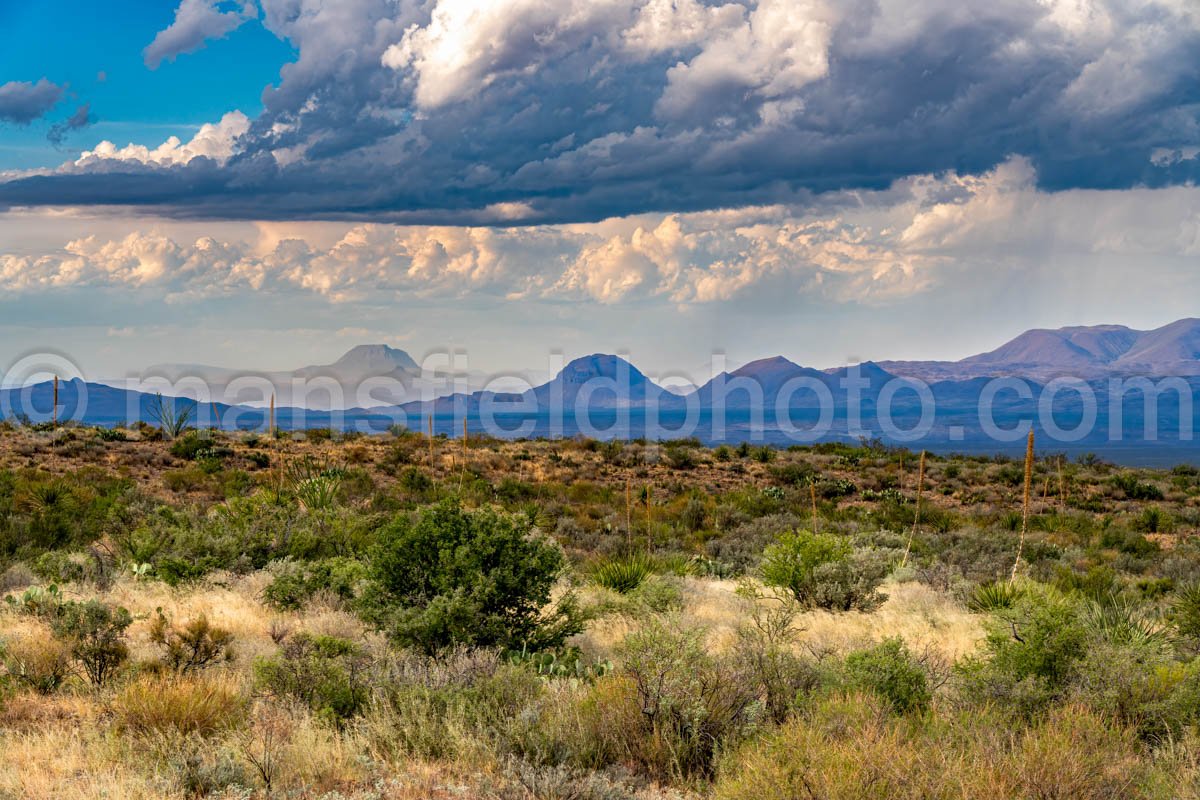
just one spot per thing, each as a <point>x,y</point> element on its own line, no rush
<point>217,141</point>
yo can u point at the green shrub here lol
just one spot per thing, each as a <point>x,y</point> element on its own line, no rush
<point>794,474</point>
<point>193,646</point>
<point>682,458</point>
<point>58,566</point>
<point>824,571</point>
<point>455,577</point>
<point>242,534</point>
<point>325,673</point>
<point>1135,544</point>
<point>111,435</point>
<point>95,634</point>
<point>1030,654</point>
<point>294,583</point>
<point>889,670</point>
<point>1141,687</point>
<point>1097,582</point>
<point>416,481</point>
<point>192,445</point>
<point>1133,489</point>
<point>692,703</point>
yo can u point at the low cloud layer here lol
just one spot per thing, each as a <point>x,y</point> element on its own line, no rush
<point>865,248</point>
<point>465,113</point>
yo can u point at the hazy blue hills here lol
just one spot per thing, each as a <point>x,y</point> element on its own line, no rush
<point>980,403</point>
<point>1081,352</point>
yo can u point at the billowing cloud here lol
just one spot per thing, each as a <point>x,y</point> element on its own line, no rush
<point>22,102</point>
<point>872,247</point>
<point>216,142</point>
<point>197,21</point>
<point>781,47</point>
<point>460,111</point>
<point>469,45</point>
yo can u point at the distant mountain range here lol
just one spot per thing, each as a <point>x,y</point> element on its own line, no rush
<point>327,386</point>
<point>772,399</point>
<point>1080,352</point>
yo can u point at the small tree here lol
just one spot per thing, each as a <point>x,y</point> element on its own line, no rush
<point>95,633</point>
<point>455,577</point>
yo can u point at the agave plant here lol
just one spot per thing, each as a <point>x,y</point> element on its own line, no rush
<point>623,575</point>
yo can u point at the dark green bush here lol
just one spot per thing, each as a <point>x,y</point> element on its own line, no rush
<point>294,583</point>
<point>1133,489</point>
<point>793,474</point>
<point>454,577</point>
<point>1030,655</point>
<point>192,444</point>
<point>415,480</point>
<point>889,670</point>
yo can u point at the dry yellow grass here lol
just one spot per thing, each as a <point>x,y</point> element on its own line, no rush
<point>919,614</point>
<point>913,611</point>
<point>73,746</point>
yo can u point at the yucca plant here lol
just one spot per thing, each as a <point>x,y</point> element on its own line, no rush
<point>989,598</point>
<point>316,484</point>
<point>623,575</point>
<point>1185,612</point>
<point>1116,620</point>
<point>172,415</point>
<point>45,498</point>
<point>318,493</point>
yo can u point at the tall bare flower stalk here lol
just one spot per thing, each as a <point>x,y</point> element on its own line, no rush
<point>916,514</point>
<point>1025,508</point>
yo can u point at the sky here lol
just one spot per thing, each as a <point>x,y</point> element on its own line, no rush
<point>267,183</point>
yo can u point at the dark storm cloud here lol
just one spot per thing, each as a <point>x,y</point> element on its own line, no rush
<point>582,109</point>
<point>22,102</point>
